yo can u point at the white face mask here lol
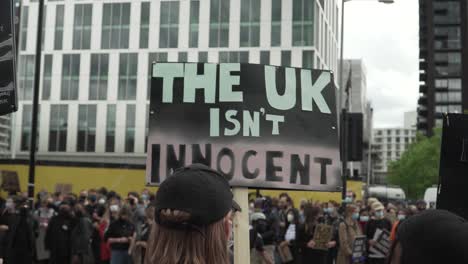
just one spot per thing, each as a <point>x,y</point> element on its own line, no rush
<point>290,218</point>
<point>114,208</point>
<point>102,201</point>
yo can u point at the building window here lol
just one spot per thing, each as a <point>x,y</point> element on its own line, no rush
<point>86,140</point>
<point>265,57</point>
<point>219,23</point>
<point>389,140</point>
<point>24,27</point>
<point>98,77</point>
<point>152,58</point>
<point>44,26</point>
<point>308,59</point>
<point>58,128</point>
<point>202,56</point>
<point>194,23</point>
<point>70,77</point>
<point>115,26</point>
<point>59,18</point>
<point>389,132</point>
<point>128,68</point>
<point>446,13</point>
<point>26,77</point>
<point>250,23</point>
<point>82,26</point>
<point>275,23</point>
<point>303,22</point>
<point>233,57</point>
<point>147,128</point>
<point>448,63</point>
<point>110,128</point>
<point>285,58</point>
<point>47,78</point>
<point>389,154</point>
<point>26,126</point>
<point>169,24</point>
<point>397,140</point>
<point>447,37</point>
<point>183,56</point>
<point>144,24</point>
<point>406,140</point>
<point>130,129</point>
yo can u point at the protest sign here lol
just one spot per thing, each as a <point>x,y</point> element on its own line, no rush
<point>382,246</point>
<point>8,100</point>
<point>260,126</point>
<point>359,249</point>
<point>10,181</point>
<point>322,235</point>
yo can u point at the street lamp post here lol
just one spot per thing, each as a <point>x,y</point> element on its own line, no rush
<point>344,109</point>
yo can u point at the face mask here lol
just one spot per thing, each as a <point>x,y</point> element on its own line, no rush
<point>114,208</point>
<point>144,197</point>
<point>326,210</point>
<point>92,198</point>
<point>355,216</point>
<point>290,218</point>
<point>401,217</point>
<point>364,219</point>
<point>9,205</point>
<point>102,201</point>
<point>379,214</point>
<point>348,200</point>
<point>331,210</point>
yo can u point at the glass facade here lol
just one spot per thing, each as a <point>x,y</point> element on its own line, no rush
<point>59,19</point>
<point>82,26</point>
<point>47,77</point>
<point>130,129</point>
<point>26,77</point>
<point>58,128</point>
<point>303,23</point>
<point>98,76</point>
<point>128,68</point>
<point>219,23</point>
<point>169,24</point>
<point>250,23</point>
<point>24,27</point>
<point>276,23</point>
<point>115,26</point>
<point>144,24</point>
<point>70,77</point>
<point>194,23</point>
<point>110,128</point>
<point>86,141</point>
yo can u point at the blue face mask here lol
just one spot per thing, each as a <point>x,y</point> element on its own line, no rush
<point>326,210</point>
<point>364,219</point>
<point>401,217</point>
<point>348,200</point>
<point>355,216</point>
<point>379,214</point>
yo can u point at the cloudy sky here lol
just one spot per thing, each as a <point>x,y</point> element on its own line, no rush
<point>385,36</point>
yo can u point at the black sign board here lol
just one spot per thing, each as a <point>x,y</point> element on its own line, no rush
<point>261,126</point>
<point>359,250</point>
<point>454,165</point>
<point>8,100</point>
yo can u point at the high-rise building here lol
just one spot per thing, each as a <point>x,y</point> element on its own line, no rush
<point>97,57</point>
<point>410,119</point>
<point>443,61</point>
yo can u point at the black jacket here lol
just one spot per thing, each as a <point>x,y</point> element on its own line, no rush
<point>58,239</point>
<point>20,239</point>
<point>117,229</point>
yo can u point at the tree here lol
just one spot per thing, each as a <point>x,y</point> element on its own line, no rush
<point>418,167</point>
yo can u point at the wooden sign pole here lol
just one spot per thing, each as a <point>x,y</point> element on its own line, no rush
<point>241,227</point>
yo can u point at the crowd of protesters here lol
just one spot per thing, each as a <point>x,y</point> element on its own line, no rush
<point>99,226</point>
<point>275,223</point>
<point>94,227</point>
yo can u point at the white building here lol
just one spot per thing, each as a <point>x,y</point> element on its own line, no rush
<point>97,56</point>
<point>388,145</point>
<point>411,118</point>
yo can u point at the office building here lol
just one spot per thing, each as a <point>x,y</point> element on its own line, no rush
<point>388,144</point>
<point>97,57</point>
<point>443,61</point>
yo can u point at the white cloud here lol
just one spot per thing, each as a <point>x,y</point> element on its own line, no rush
<point>386,38</point>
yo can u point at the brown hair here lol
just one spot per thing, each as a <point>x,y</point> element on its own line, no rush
<point>169,246</point>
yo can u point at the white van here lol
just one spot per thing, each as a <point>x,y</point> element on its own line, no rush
<point>386,194</point>
<point>430,197</point>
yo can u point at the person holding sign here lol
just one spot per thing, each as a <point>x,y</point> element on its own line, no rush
<point>305,237</point>
<point>349,229</point>
<point>192,218</point>
<point>379,222</point>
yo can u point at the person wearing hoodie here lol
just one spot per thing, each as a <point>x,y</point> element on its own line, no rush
<point>420,241</point>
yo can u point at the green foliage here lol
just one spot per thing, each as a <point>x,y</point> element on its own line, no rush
<point>418,167</point>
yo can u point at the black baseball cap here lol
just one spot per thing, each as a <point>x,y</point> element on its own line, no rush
<point>198,190</point>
